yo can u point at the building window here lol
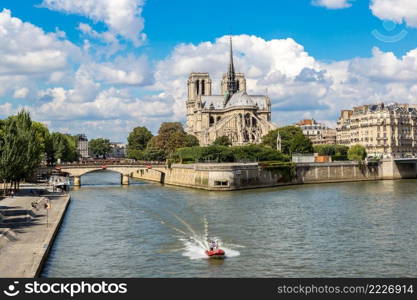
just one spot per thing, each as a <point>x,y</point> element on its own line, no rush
<point>197,87</point>
<point>221,183</point>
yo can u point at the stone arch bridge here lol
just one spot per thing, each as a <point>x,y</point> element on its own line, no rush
<point>126,171</point>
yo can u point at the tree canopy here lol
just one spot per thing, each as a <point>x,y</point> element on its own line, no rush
<point>100,147</point>
<point>171,136</point>
<point>337,152</point>
<point>64,147</point>
<point>357,152</point>
<point>139,138</point>
<point>292,140</point>
<point>22,147</point>
<point>217,153</point>
<point>222,141</point>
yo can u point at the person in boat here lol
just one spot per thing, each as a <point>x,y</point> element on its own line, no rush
<point>213,245</point>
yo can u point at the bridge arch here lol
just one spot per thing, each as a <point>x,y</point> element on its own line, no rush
<point>125,171</point>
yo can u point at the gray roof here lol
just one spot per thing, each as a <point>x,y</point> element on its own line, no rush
<point>238,99</point>
<point>217,101</point>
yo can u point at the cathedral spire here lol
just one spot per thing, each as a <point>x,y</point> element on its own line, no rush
<point>231,75</point>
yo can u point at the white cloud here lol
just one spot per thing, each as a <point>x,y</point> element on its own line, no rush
<point>333,4</point>
<point>129,70</point>
<point>21,93</point>
<point>386,67</point>
<point>6,110</point>
<point>123,17</point>
<point>298,84</point>
<point>101,97</point>
<point>398,11</point>
<point>275,65</point>
<point>29,50</point>
<point>112,113</point>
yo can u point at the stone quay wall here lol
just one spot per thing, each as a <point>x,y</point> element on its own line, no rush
<point>235,176</point>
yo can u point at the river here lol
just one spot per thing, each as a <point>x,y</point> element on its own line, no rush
<point>363,229</point>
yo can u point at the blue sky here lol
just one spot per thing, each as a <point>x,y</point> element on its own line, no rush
<point>105,61</point>
<point>326,34</point>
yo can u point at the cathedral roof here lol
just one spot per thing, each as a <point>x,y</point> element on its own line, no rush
<point>240,99</point>
<point>217,102</point>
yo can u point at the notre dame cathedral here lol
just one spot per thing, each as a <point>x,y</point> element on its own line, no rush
<point>244,118</point>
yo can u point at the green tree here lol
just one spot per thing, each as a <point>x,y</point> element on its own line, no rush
<point>100,147</point>
<point>191,141</point>
<point>357,153</point>
<point>228,154</point>
<point>136,154</point>
<point>152,154</point>
<point>337,152</point>
<point>329,150</point>
<point>138,140</point>
<point>171,136</point>
<point>21,149</point>
<point>64,147</point>
<point>292,140</point>
<point>45,141</point>
<point>222,141</point>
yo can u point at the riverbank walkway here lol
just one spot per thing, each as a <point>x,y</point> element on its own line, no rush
<point>27,233</point>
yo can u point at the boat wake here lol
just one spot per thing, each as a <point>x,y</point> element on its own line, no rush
<point>196,244</point>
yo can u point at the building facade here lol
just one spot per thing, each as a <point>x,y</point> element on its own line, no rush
<point>82,146</point>
<point>384,130</point>
<point>118,150</point>
<point>318,133</point>
<point>244,118</point>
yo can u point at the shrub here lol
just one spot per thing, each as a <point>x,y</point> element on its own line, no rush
<point>222,141</point>
<point>331,150</point>
<point>228,154</point>
<point>357,152</point>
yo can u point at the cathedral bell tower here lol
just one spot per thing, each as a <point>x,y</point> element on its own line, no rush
<point>199,84</point>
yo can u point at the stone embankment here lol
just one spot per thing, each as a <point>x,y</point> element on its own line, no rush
<point>237,176</point>
<point>29,223</point>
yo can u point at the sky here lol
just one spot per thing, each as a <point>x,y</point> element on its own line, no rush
<point>103,67</point>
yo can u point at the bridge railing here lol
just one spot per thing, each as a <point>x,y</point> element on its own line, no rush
<point>109,163</point>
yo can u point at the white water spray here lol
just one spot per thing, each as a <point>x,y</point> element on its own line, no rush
<point>196,244</point>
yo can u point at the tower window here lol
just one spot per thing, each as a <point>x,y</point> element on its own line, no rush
<point>197,87</point>
<point>203,87</point>
<point>238,85</point>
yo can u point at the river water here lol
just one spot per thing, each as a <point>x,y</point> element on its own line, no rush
<point>364,229</point>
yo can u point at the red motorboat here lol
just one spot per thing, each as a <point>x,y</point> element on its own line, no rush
<point>215,253</point>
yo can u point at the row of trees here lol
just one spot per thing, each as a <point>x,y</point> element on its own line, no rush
<point>220,153</point>
<point>25,144</point>
<point>173,142</point>
<point>142,145</point>
<point>341,152</point>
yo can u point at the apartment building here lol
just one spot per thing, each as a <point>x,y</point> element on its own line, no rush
<point>384,130</point>
<point>318,133</point>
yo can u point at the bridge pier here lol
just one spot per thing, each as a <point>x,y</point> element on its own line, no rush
<point>77,180</point>
<point>124,179</point>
